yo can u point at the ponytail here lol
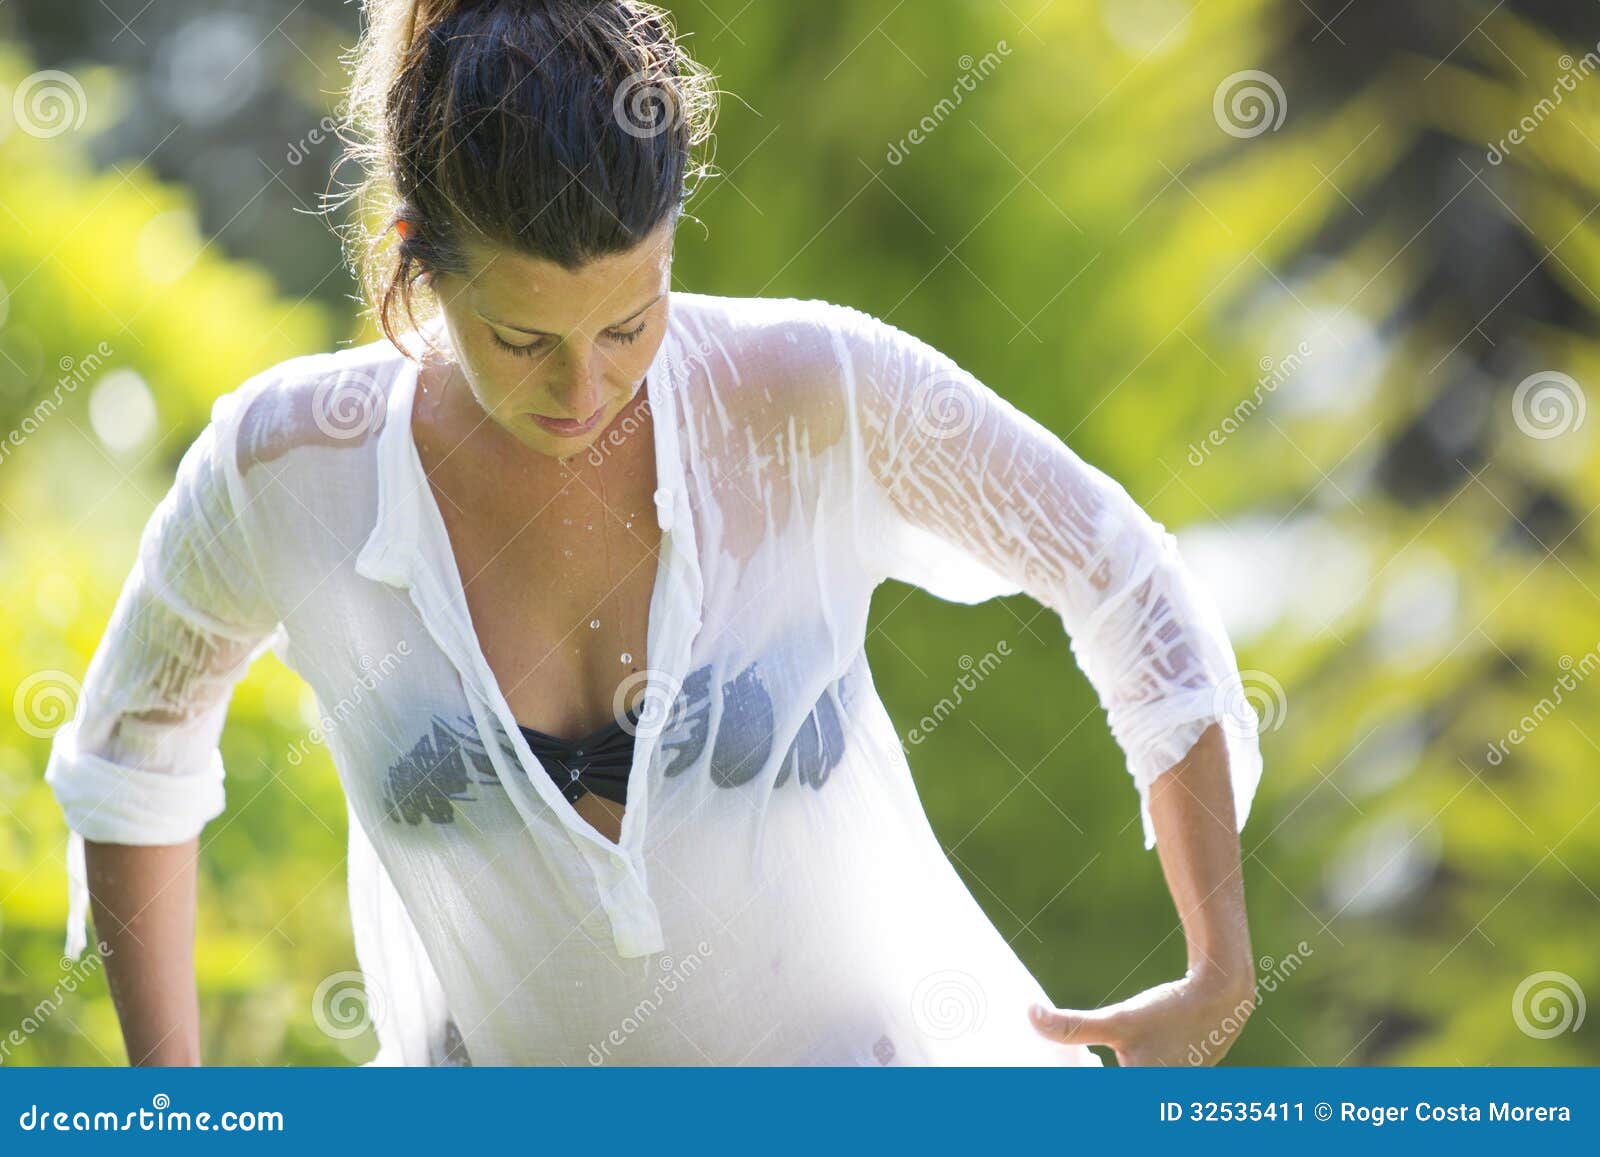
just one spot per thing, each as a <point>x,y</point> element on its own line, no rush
<point>564,129</point>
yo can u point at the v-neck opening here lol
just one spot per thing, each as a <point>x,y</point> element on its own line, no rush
<point>409,510</point>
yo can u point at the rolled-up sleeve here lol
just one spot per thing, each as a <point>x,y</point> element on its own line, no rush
<point>964,495</point>
<point>138,762</point>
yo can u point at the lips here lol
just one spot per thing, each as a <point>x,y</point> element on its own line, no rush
<point>569,427</point>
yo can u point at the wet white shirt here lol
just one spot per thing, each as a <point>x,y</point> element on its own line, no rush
<point>777,896</point>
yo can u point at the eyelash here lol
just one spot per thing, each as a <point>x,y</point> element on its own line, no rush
<point>626,337</point>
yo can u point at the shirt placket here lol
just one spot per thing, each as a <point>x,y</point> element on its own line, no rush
<point>619,870</point>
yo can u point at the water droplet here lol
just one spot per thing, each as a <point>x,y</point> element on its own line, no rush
<point>594,624</point>
<point>628,525</point>
<point>627,658</point>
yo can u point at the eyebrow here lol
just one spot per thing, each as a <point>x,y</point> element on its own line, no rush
<point>547,333</point>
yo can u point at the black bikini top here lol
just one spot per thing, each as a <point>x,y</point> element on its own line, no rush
<point>598,762</point>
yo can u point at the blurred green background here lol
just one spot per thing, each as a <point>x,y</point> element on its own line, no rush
<point>1124,215</point>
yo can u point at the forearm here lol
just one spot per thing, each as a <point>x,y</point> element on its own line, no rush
<point>1192,808</point>
<point>143,900</point>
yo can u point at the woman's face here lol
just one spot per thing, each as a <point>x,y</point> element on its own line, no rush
<point>553,356</point>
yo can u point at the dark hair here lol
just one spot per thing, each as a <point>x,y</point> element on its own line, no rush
<point>564,129</point>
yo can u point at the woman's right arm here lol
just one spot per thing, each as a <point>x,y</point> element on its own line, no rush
<point>143,899</point>
<point>137,770</point>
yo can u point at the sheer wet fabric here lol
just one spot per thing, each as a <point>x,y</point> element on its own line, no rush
<point>776,895</point>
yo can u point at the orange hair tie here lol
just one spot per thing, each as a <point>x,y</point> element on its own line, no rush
<point>404,229</point>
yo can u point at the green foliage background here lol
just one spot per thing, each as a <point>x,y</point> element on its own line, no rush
<point>1082,234</point>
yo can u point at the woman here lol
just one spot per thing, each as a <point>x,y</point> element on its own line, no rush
<point>567,502</point>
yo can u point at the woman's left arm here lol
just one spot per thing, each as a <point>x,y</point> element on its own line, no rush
<point>959,492</point>
<point>1195,1020</point>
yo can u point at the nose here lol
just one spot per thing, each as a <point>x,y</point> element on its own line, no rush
<point>577,387</point>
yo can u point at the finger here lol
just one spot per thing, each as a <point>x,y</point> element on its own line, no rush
<point>1072,1026</point>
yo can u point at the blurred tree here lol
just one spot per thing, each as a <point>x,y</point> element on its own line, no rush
<point>1130,217</point>
<point>119,325</point>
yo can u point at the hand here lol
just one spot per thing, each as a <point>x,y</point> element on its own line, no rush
<point>1192,1021</point>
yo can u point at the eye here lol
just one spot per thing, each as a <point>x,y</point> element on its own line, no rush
<point>521,351</point>
<point>626,336</point>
